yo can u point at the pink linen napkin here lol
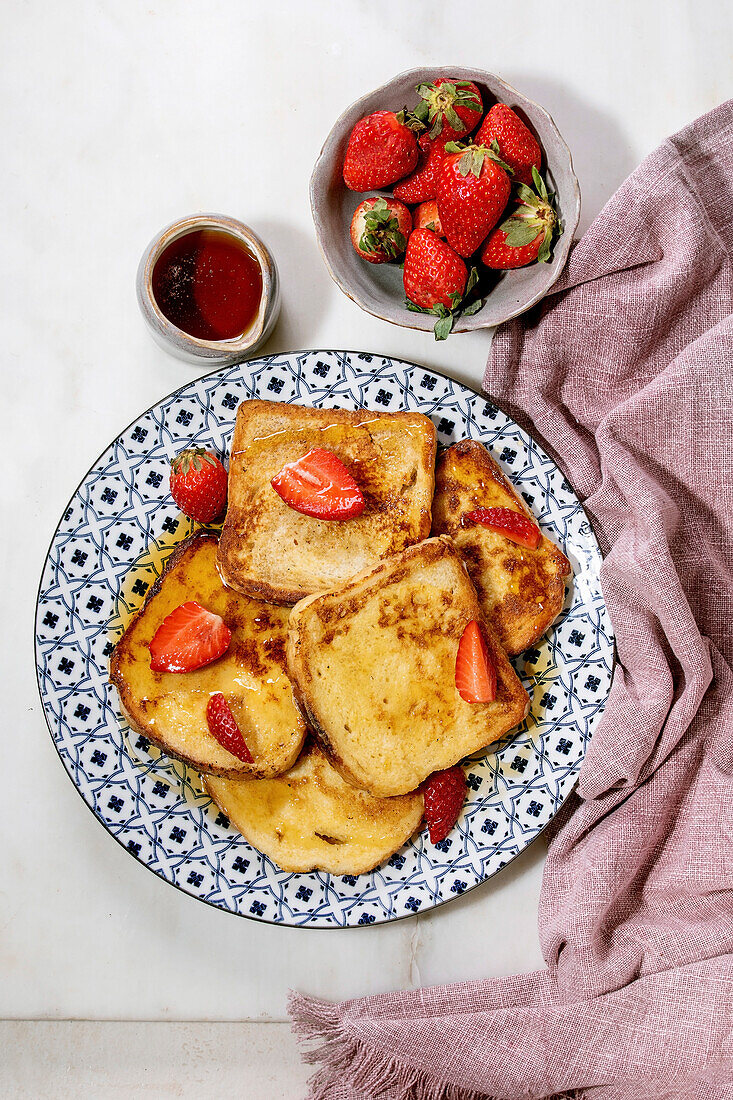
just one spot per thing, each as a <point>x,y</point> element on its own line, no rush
<point>625,373</point>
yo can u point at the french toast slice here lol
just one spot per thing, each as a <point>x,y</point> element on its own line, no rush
<point>521,591</point>
<point>373,669</point>
<point>169,708</point>
<point>270,551</point>
<point>310,819</point>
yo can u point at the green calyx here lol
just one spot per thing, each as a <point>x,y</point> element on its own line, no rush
<point>444,325</point>
<point>411,120</point>
<point>193,458</point>
<point>539,196</point>
<point>439,103</point>
<point>382,231</point>
<point>462,306</point>
<point>535,214</point>
<point>474,156</point>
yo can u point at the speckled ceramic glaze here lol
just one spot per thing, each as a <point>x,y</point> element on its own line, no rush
<point>377,288</point>
<point>180,343</point>
<point>108,550</point>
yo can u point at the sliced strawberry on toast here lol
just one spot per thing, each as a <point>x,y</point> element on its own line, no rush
<point>187,639</point>
<point>512,525</point>
<point>319,485</point>
<point>223,726</point>
<point>475,671</point>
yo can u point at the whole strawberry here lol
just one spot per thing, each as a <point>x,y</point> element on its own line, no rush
<point>381,150</point>
<point>434,277</point>
<point>526,235</point>
<point>452,108</point>
<point>421,185</point>
<point>444,793</point>
<point>380,228</point>
<point>198,484</point>
<point>426,216</point>
<point>515,143</point>
<point>473,189</point>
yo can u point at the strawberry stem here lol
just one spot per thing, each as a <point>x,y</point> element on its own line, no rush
<point>462,307</point>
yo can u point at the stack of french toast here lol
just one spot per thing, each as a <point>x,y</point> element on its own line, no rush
<point>345,636</point>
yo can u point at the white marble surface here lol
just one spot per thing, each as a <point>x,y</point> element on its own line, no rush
<point>116,118</point>
<point>63,1060</point>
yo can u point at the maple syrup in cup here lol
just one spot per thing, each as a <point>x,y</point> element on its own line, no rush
<point>208,288</point>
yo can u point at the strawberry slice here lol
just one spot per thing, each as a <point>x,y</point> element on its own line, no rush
<point>444,793</point>
<point>319,485</point>
<point>223,726</point>
<point>475,670</point>
<point>512,525</point>
<point>188,638</point>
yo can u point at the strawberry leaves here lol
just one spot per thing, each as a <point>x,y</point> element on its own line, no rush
<point>192,459</point>
<point>462,306</point>
<point>474,156</point>
<point>444,325</point>
<point>451,107</point>
<point>519,231</point>
<point>382,231</point>
<point>533,216</point>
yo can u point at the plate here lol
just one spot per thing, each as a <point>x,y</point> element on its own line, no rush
<point>122,516</point>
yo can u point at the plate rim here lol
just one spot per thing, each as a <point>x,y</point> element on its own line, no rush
<point>118,839</point>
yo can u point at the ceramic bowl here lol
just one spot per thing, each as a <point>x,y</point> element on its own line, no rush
<point>180,343</point>
<point>377,288</point>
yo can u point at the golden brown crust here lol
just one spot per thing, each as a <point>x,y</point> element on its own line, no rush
<point>269,551</point>
<point>169,708</point>
<point>121,646</point>
<point>373,669</point>
<point>224,773</point>
<point>309,819</point>
<point>521,591</point>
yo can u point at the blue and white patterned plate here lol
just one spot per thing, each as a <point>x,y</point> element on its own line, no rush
<point>122,515</point>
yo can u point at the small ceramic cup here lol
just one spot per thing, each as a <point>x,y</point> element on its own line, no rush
<point>180,343</point>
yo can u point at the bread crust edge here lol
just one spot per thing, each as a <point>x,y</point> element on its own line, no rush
<point>243,771</point>
<point>557,585</point>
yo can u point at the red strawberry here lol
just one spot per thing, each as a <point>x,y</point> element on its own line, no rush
<point>426,216</point>
<point>444,793</point>
<point>516,144</point>
<point>187,639</point>
<point>319,485</point>
<point>514,526</point>
<point>502,252</point>
<point>434,277</point>
<point>422,183</point>
<point>473,189</point>
<point>223,726</point>
<point>380,228</point>
<point>526,235</point>
<point>381,150</point>
<point>198,484</point>
<point>475,670</point>
<point>453,107</point>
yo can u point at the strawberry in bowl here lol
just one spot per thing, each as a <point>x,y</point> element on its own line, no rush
<point>379,229</point>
